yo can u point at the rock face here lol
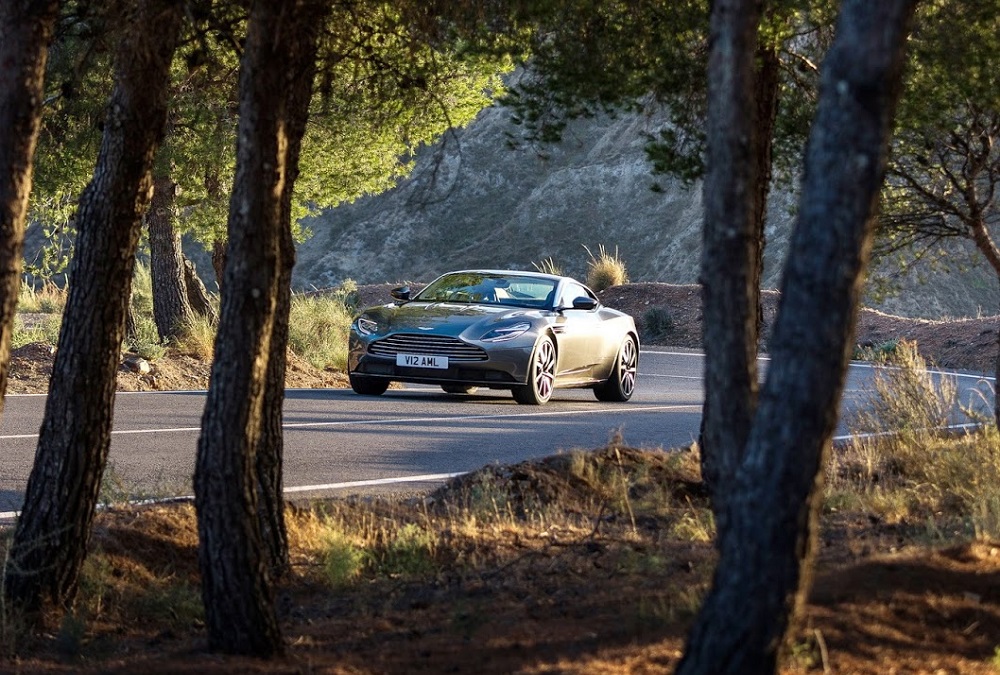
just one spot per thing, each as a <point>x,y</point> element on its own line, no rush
<point>476,201</point>
<point>485,198</point>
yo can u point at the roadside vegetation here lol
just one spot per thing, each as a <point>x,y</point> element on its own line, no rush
<point>609,550</point>
<point>317,332</point>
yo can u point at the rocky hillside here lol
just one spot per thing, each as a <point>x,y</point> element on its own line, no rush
<point>483,197</point>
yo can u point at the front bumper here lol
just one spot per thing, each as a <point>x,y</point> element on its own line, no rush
<point>505,367</point>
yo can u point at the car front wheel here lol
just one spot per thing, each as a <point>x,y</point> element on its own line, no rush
<point>368,386</point>
<point>621,383</point>
<point>541,375</point>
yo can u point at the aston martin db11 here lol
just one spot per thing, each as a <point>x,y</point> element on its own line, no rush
<point>527,332</point>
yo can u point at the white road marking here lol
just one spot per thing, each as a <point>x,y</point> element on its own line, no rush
<point>410,420</point>
<point>374,482</point>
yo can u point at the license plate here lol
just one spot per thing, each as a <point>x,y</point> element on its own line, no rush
<point>421,361</point>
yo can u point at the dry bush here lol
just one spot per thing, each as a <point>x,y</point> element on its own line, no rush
<point>47,299</point>
<point>900,464</point>
<point>605,269</point>
<point>548,266</point>
<point>907,398</point>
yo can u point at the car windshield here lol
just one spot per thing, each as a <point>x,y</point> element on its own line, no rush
<point>491,289</point>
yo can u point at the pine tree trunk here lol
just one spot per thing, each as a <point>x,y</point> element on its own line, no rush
<point>766,551</point>
<point>732,246</point>
<point>220,250</point>
<point>270,450</point>
<point>197,294</point>
<point>233,556</point>
<point>50,541</point>
<point>171,310</point>
<point>26,27</point>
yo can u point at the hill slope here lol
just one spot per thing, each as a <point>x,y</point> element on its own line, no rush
<point>483,198</point>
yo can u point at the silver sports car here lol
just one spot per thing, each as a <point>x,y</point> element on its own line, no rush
<point>524,331</point>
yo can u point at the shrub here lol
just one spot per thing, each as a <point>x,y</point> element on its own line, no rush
<point>879,353</point>
<point>906,396</point>
<point>658,324</point>
<point>605,269</point>
<point>44,330</point>
<point>409,552</point>
<point>198,338</point>
<point>342,561</point>
<point>901,468</point>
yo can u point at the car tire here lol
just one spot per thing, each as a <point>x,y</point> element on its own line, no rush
<point>621,383</point>
<point>459,389</point>
<point>368,386</point>
<point>541,374</point>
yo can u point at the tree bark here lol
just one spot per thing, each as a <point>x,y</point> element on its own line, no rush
<point>233,557</point>
<point>50,541</point>
<point>220,250</point>
<point>731,245</point>
<point>26,27</point>
<point>171,309</point>
<point>270,450</point>
<point>766,552</point>
<point>197,294</point>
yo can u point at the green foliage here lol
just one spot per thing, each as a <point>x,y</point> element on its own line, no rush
<point>611,57</point>
<point>342,561</point>
<point>384,87</point>
<point>878,353</point>
<point>46,330</point>
<point>198,338</point>
<point>605,270</point>
<point>409,552</point>
<point>146,341</point>
<point>945,161</point>
<point>50,262</point>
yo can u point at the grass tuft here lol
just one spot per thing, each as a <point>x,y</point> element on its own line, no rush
<point>318,329</point>
<point>605,269</point>
<point>548,266</point>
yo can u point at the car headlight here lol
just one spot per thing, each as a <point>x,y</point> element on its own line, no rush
<point>366,326</point>
<point>505,333</point>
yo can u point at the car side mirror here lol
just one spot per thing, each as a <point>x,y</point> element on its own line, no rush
<point>402,293</point>
<point>585,303</point>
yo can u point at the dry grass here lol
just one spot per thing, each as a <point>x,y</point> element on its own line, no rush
<point>605,270</point>
<point>588,561</point>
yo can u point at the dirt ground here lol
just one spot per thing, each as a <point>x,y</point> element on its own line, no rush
<point>613,594</point>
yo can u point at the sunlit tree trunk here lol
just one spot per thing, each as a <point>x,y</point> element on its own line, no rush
<point>25,32</point>
<point>766,550</point>
<point>234,554</point>
<point>51,538</point>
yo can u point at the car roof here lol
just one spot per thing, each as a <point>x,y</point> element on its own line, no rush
<point>517,273</point>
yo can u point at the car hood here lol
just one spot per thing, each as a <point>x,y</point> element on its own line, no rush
<point>443,318</point>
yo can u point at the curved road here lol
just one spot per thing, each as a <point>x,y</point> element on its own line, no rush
<point>406,439</point>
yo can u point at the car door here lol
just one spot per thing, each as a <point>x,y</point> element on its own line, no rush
<point>578,333</point>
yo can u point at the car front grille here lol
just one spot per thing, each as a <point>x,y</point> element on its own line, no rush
<point>434,345</point>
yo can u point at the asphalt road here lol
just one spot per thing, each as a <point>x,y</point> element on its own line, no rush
<point>408,439</point>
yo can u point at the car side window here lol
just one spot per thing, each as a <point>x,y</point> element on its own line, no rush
<point>570,292</point>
